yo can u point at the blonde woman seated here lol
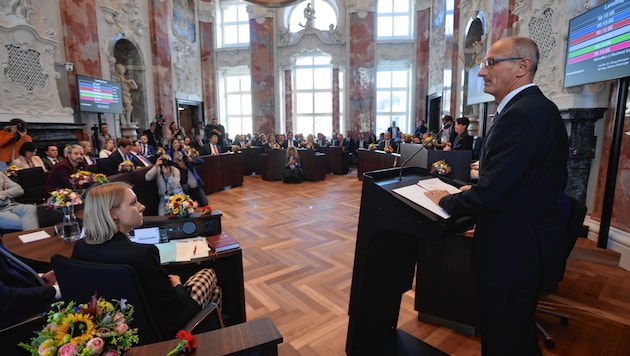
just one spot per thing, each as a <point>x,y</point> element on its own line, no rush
<point>28,158</point>
<point>111,211</point>
<point>167,178</point>
<point>107,149</point>
<point>292,170</point>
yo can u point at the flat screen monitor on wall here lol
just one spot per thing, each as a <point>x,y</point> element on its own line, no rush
<point>598,47</point>
<point>99,95</point>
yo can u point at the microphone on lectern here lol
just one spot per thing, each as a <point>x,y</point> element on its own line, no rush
<point>409,159</point>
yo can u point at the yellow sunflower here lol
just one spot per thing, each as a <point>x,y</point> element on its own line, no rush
<point>75,328</point>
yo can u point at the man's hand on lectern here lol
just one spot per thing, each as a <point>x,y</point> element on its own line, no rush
<point>436,195</point>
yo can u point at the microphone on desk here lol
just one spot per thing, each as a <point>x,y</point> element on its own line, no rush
<point>407,161</point>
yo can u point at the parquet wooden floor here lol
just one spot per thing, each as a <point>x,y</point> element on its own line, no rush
<point>298,247</point>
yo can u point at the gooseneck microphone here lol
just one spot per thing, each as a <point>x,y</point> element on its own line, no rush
<point>407,161</point>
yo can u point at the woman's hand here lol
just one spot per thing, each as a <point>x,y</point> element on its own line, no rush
<point>49,278</point>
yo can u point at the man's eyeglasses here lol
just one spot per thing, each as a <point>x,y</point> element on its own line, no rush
<point>492,61</point>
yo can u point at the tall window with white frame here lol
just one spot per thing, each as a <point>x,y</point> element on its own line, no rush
<point>394,19</point>
<point>393,96</point>
<point>235,102</point>
<point>232,25</point>
<point>313,95</point>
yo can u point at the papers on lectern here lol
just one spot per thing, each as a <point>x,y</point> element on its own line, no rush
<point>415,193</point>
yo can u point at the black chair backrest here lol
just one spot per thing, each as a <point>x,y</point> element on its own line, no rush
<point>33,181</point>
<point>79,280</point>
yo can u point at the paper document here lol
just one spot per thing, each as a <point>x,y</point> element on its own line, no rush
<point>34,236</point>
<point>415,193</point>
<point>168,252</point>
<point>183,250</point>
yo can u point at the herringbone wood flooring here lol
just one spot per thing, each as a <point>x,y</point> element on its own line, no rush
<point>298,247</point>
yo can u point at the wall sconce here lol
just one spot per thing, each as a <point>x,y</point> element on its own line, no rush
<point>69,66</point>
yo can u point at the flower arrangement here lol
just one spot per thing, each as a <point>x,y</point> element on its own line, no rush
<point>188,343</point>
<point>160,151</point>
<point>440,167</point>
<point>191,152</point>
<point>81,178</point>
<point>235,148</point>
<point>427,139</point>
<point>11,170</point>
<point>125,166</point>
<point>64,197</point>
<point>100,178</point>
<point>388,149</point>
<point>99,327</point>
<point>180,205</point>
<point>371,146</point>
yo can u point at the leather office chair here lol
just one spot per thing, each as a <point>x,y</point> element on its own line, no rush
<point>33,181</point>
<point>79,280</point>
<point>573,227</point>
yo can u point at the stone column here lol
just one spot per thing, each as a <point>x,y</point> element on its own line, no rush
<point>208,68</point>
<point>336,112</point>
<point>161,53</point>
<point>423,27</point>
<point>288,101</point>
<point>263,70</point>
<point>362,73</point>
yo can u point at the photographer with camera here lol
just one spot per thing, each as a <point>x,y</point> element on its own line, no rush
<point>167,178</point>
<point>12,138</point>
<point>154,132</point>
<point>189,178</point>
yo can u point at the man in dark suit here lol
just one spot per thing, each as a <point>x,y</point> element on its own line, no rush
<point>51,158</point>
<point>519,238</point>
<point>394,131</point>
<point>388,141</point>
<point>22,292</point>
<point>59,176</point>
<point>120,155</point>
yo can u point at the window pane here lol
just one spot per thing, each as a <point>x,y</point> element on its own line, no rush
<point>383,79</point>
<point>303,79</point>
<point>383,101</point>
<point>304,124</point>
<point>230,14</point>
<point>384,27</point>
<point>402,26</point>
<point>384,6</point>
<point>401,6</point>
<point>234,104</point>
<point>304,103</point>
<point>321,60</point>
<point>243,34</point>
<point>399,101</point>
<point>323,125</point>
<point>322,78</point>
<point>399,79</point>
<point>323,102</point>
<point>229,35</point>
<point>246,104</point>
<point>304,61</point>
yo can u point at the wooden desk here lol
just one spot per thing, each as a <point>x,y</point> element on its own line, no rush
<point>338,161</point>
<point>228,266</point>
<point>313,164</point>
<point>260,337</point>
<point>272,164</point>
<point>218,172</point>
<point>372,160</point>
<point>251,156</point>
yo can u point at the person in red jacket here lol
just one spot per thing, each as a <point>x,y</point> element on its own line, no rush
<point>12,138</point>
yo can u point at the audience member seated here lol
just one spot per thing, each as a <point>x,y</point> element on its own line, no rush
<point>12,138</point>
<point>271,143</point>
<point>387,144</point>
<point>167,179</point>
<point>120,155</point>
<point>292,169</point>
<point>463,141</point>
<point>107,150</point>
<point>362,142</point>
<point>290,141</point>
<point>372,140</point>
<point>189,178</point>
<point>52,157</point>
<point>15,216</point>
<point>137,158</point>
<point>28,157</point>
<point>214,146</point>
<point>175,146</point>
<point>111,211</point>
<point>197,142</point>
<point>310,143</point>
<point>88,156</point>
<point>22,292</point>
<point>261,141</point>
<point>321,140</point>
<point>59,176</point>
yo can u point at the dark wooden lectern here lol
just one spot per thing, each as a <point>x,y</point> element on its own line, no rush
<point>392,235</point>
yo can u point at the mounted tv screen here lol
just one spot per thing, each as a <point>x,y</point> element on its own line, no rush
<point>99,95</point>
<point>598,47</point>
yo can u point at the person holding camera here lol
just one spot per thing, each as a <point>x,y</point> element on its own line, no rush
<point>12,138</point>
<point>167,178</point>
<point>189,178</point>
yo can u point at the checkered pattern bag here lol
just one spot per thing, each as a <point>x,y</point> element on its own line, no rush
<point>202,287</point>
